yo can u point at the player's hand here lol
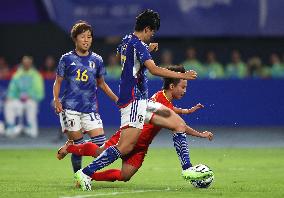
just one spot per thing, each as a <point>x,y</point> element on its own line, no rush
<point>57,106</point>
<point>153,47</point>
<point>193,109</point>
<point>190,75</point>
<point>207,134</point>
<point>196,107</point>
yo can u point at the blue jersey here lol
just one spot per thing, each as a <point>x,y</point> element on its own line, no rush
<point>80,73</point>
<point>133,81</point>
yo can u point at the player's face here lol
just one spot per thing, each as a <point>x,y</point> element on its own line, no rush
<point>149,33</point>
<point>83,41</point>
<point>179,90</point>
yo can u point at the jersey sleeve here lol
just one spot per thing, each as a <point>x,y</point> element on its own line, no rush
<point>61,67</point>
<point>101,68</point>
<point>142,52</point>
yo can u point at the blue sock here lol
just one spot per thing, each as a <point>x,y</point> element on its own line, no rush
<point>105,158</point>
<point>181,145</point>
<point>76,159</point>
<point>99,140</point>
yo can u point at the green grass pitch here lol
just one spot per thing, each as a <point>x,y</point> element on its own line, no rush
<point>239,172</point>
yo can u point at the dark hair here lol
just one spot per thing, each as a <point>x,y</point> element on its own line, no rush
<point>175,81</point>
<point>80,27</point>
<point>148,18</point>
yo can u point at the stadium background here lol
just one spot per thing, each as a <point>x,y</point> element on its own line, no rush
<point>242,112</point>
<point>41,28</point>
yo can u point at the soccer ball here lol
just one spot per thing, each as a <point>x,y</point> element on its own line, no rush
<point>202,183</point>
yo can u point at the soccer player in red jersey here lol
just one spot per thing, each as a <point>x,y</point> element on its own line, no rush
<point>172,89</point>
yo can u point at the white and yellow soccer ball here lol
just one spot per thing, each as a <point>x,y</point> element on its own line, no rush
<point>204,182</point>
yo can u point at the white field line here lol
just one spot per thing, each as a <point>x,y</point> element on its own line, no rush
<point>115,193</point>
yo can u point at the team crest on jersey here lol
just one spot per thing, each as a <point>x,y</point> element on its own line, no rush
<point>92,64</point>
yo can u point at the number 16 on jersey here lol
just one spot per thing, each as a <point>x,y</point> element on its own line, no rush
<point>82,76</point>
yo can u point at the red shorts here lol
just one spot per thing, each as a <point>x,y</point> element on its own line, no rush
<point>135,157</point>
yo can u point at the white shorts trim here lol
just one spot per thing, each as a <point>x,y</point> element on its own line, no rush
<point>75,121</point>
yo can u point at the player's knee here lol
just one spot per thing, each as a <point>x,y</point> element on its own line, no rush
<point>126,178</point>
<point>124,150</point>
<point>180,127</point>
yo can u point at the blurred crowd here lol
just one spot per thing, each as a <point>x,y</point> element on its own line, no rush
<point>47,69</point>
<point>208,67</point>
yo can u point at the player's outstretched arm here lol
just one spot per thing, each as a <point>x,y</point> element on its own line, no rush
<point>102,84</point>
<point>56,91</point>
<point>188,111</point>
<point>204,134</point>
<point>162,72</point>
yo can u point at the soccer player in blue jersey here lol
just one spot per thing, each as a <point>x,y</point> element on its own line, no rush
<point>83,71</point>
<point>133,98</point>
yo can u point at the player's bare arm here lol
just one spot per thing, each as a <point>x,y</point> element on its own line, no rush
<point>162,72</point>
<point>102,84</point>
<point>188,111</point>
<point>56,90</point>
<point>204,134</point>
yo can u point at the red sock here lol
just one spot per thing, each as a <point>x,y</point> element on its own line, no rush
<point>86,149</point>
<point>108,175</point>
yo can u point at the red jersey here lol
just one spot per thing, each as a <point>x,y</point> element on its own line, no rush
<point>150,131</point>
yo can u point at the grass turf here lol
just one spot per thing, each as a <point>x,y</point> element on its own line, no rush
<point>243,172</point>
